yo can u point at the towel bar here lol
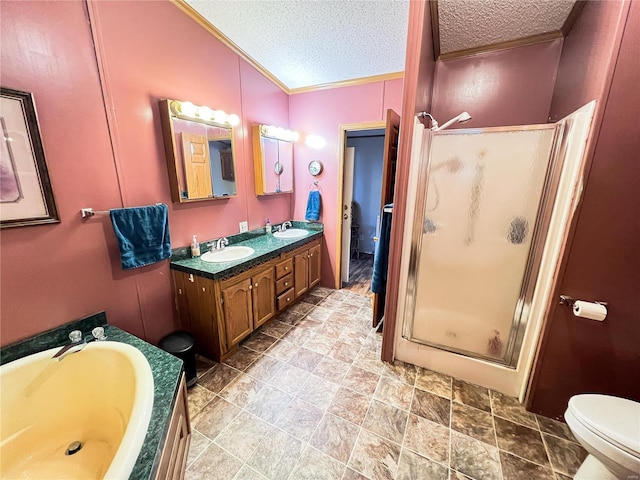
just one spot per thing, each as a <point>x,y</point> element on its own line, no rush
<point>90,212</point>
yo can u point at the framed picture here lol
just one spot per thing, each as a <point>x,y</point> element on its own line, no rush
<point>26,197</point>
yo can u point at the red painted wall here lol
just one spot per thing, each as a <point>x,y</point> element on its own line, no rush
<point>504,87</point>
<point>322,113</point>
<point>602,260</point>
<point>53,274</point>
<point>586,63</point>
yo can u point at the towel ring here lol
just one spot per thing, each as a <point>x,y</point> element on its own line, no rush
<point>314,184</point>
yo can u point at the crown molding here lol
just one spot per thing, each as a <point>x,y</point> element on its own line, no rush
<point>348,83</point>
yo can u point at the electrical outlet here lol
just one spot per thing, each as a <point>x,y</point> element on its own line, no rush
<point>244,227</point>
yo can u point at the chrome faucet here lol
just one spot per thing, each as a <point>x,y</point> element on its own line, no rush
<point>73,347</point>
<point>285,225</point>
<point>221,243</point>
<point>78,343</point>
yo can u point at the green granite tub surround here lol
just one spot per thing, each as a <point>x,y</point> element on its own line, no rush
<point>265,248</point>
<point>165,368</point>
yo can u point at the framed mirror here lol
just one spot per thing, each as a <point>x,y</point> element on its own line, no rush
<point>273,159</point>
<point>199,144</point>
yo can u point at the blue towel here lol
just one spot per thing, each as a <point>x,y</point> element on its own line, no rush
<point>142,233</point>
<point>381,255</point>
<point>313,206</point>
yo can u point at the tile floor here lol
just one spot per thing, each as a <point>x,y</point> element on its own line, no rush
<point>307,397</point>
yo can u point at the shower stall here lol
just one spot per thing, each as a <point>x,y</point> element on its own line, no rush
<point>482,210</point>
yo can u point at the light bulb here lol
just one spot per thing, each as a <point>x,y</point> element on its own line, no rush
<point>188,109</point>
<point>205,113</point>
<point>233,119</point>
<point>219,117</point>
<point>295,136</point>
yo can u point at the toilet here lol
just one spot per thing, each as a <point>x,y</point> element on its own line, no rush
<point>609,429</point>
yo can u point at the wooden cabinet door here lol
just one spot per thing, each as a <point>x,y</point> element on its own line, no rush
<point>263,295</point>
<point>314,266</point>
<point>197,165</point>
<point>182,301</point>
<point>173,460</point>
<point>301,273</point>
<point>238,314</point>
<point>204,324</point>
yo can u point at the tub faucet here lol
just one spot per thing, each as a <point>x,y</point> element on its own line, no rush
<point>285,225</point>
<point>78,343</point>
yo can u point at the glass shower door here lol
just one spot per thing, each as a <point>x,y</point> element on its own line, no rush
<point>476,239</point>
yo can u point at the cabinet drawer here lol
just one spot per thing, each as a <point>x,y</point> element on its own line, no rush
<point>285,299</point>
<point>284,268</point>
<point>285,283</point>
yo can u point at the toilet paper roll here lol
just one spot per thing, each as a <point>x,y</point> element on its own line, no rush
<point>593,311</point>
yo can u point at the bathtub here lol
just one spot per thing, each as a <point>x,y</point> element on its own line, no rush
<point>84,416</point>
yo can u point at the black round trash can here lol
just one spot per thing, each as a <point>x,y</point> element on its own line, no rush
<point>182,345</point>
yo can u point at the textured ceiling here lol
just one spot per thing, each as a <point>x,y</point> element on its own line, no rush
<point>467,24</point>
<point>304,42</point>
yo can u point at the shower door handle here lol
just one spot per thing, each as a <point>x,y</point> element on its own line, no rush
<point>345,216</point>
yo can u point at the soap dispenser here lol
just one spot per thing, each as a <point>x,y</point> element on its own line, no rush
<point>195,247</point>
<point>268,226</point>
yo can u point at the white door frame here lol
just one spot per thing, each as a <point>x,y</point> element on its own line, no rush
<point>344,129</point>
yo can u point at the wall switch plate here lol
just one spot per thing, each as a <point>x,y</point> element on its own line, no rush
<point>244,227</point>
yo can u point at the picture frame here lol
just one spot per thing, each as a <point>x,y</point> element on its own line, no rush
<point>26,195</point>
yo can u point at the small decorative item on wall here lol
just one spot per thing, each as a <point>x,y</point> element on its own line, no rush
<point>26,197</point>
<point>315,168</point>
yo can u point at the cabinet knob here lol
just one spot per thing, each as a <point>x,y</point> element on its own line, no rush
<point>288,299</point>
<point>191,279</point>
<point>256,285</point>
<point>250,287</point>
<point>204,289</point>
<point>311,255</point>
<point>286,268</point>
<point>286,283</point>
<point>179,291</point>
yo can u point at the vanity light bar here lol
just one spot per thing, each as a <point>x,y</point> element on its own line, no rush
<point>279,133</point>
<point>189,110</point>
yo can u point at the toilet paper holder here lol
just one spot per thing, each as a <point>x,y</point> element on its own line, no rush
<point>569,301</point>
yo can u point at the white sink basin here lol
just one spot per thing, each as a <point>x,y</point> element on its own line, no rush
<point>292,233</point>
<point>228,254</point>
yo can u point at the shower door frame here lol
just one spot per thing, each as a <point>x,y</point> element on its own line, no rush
<point>532,267</point>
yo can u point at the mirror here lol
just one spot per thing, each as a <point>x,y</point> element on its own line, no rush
<point>199,145</point>
<point>273,159</point>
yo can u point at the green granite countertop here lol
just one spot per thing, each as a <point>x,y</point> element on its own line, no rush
<point>266,247</point>
<point>165,368</point>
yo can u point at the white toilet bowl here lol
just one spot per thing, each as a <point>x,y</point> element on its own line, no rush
<point>609,429</point>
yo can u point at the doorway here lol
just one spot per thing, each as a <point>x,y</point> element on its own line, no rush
<point>359,148</point>
<point>361,189</point>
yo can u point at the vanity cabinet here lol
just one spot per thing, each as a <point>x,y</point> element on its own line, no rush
<point>222,313</point>
<point>173,460</point>
<point>247,303</point>
<point>306,268</point>
<point>199,312</point>
<point>285,294</point>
